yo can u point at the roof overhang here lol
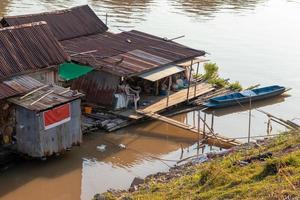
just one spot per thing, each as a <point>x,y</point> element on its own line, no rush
<point>160,73</point>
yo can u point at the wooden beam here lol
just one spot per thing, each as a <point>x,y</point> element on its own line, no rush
<point>33,91</point>
<point>189,83</point>
<point>45,95</point>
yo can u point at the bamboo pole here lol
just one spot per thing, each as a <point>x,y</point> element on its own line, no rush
<point>169,87</point>
<point>249,128</point>
<point>64,92</point>
<point>85,52</point>
<point>195,89</point>
<point>277,118</point>
<point>194,119</point>
<point>204,122</point>
<point>33,91</point>
<point>199,116</point>
<point>269,126</point>
<point>189,83</point>
<point>212,121</point>
<point>45,95</point>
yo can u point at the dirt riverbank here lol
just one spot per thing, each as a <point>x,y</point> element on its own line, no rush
<point>267,169</point>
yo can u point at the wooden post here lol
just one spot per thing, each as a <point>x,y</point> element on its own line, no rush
<point>157,88</point>
<point>199,116</point>
<point>199,120</point>
<point>249,128</point>
<point>169,87</point>
<point>212,121</point>
<point>106,17</point>
<point>196,82</point>
<point>194,119</point>
<point>189,83</point>
<point>269,126</point>
<point>204,122</point>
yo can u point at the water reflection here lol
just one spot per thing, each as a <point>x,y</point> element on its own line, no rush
<point>125,13</point>
<point>122,13</point>
<point>209,8</point>
<point>85,171</point>
<point>3,6</point>
<point>242,108</point>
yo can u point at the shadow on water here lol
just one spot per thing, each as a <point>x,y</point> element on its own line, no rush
<point>143,142</point>
<point>207,9</point>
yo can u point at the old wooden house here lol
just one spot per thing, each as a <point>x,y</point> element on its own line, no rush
<point>133,70</point>
<point>37,116</point>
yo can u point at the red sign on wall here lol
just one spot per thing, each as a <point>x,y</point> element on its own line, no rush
<point>57,116</point>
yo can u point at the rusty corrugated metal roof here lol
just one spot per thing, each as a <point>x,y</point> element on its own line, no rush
<point>6,91</point>
<point>65,24</point>
<point>55,95</point>
<point>98,87</point>
<point>27,48</point>
<point>127,53</point>
<point>18,85</point>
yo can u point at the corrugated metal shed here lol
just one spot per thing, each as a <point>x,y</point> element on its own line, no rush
<point>65,24</point>
<point>128,53</point>
<point>28,48</point>
<point>56,96</point>
<point>18,85</point>
<point>36,141</point>
<point>98,87</point>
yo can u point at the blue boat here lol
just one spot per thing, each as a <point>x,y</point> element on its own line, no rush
<point>245,96</point>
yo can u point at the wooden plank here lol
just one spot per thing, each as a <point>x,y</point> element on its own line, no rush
<point>211,139</point>
<point>179,97</point>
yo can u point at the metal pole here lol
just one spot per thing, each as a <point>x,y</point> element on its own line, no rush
<point>249,128</point>
<point>196,82</point>
<point>189,83</point>
<point>169,87</point>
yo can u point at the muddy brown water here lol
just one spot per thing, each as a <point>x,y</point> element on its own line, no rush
<point>253,41</point>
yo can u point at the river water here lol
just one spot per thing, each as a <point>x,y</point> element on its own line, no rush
<point>252,41</point>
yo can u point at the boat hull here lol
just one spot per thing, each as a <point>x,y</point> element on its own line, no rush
<point>244,100</point>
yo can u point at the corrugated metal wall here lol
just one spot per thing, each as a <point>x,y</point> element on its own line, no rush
<point>37,142</point>
<point>45,76</point>
<point>98,86</point>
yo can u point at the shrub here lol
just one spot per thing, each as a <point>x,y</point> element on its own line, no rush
<point>236,86</point>
<point>211,71</point>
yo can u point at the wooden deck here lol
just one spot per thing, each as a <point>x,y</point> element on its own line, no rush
<point>174,99</point>
<point>210,138</point>
<point>179,97</point>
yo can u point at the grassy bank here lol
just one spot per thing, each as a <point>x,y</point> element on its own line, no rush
<point>267,170</point>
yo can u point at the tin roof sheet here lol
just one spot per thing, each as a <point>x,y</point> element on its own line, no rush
<point>65,24</point>
<point>18,85</point>
<point>56,96</point>
<point>27,48</point>
<point>128,53</point>
<point>160,73</point>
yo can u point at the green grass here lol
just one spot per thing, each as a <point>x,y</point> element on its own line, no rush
<point>277,177</point>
